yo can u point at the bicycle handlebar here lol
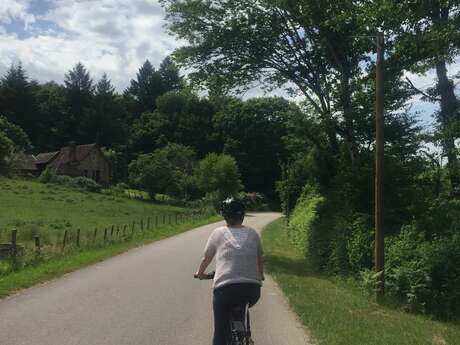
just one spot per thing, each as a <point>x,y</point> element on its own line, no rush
<point>207,276</point>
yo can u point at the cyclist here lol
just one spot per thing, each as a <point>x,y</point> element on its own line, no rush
<point>239,266</point>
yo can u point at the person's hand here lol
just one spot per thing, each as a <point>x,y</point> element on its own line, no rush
<point>199,276</point>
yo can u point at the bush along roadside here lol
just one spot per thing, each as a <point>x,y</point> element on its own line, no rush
<point>26,265</point>
<point>339,311</point>
<point>422,258</point>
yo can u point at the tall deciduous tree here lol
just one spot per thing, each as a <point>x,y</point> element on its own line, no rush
<point>252,131</point>
<point>180,117</point>
<point>311,45</point>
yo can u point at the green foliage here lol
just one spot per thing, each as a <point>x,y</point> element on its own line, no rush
<point>360,244</point>
<point>251,131</point>
<point>49,176</point>
<point>86,184</point>
<point>166,170</point>
<point>15,134</point>
<point>305,228</point>
<point>218,173</point>
<point>425,275</point>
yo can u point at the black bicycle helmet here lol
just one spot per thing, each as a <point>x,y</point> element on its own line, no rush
<point>232,208</point>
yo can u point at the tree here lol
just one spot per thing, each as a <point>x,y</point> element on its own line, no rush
<point>426,36</point>
<point>13,140</point>
<point>80,93</point>
<point>181,117</point>
<point>170,77</point>
<point>106,125</point>
<point>17,101</point>
<point>144,90</point>
<point>252,132</point>
<point>310,45</point>
<point>166,170</point>
<point>218,173</point>
<point>53,117</point>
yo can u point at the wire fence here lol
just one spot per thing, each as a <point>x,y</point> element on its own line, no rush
<point>15,256</point>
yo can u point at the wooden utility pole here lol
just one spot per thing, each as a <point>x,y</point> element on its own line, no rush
<point>379,149</point>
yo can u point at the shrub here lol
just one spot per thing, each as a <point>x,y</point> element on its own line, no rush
<point>424,275</point>
<point>360,244</point>
<point>85,183</point>
<point>48,176</point>
<point>306,228</point>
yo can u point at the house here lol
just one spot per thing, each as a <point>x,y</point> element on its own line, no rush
<point>73,160</point>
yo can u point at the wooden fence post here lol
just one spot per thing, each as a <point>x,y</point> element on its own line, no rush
<point>105,235</point>
<point>164,219</point>
<point>177,215</point>
<point>14,247</point>
<point>169,219</point>
<point>78,238</point>
<point>64,240</point>
<point>111,232</point>
<point>148,223</point>
<point>95,235</point>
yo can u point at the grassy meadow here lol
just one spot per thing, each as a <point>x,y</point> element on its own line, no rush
<point>50,211</point>
<point>338,311</point>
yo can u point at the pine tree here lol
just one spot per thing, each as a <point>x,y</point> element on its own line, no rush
<point>17,103</point>
<point>145,89</point>
<point>170,75</point>
<point>80,93</point>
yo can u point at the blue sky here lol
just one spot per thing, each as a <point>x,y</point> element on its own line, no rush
<point>108,36</point>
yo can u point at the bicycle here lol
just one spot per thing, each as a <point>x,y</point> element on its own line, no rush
<point>240,325</point>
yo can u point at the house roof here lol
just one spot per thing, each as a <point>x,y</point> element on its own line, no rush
<point>44,158</point>
<point>81,152</point>
<point>25,162</point>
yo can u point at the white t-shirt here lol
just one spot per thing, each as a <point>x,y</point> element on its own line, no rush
<point>236,251</point>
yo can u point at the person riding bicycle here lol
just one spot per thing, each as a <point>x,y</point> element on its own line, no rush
<point>239,266</point>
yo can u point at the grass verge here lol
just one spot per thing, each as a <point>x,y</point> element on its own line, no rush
<point>72,261</point>
<point>337,311</point>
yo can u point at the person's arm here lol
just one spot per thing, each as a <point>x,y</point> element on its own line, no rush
<point>203,265</point>
<point>209,252</point>
<point>260,257</point>
<point>260,266</point>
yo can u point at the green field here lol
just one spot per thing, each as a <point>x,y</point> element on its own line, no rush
<point>52,210</point>
<point>338,311</point>
<point>48,209</point>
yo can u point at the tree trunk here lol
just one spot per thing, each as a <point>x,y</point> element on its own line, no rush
<point>345,100</point>
<point>448,115</point>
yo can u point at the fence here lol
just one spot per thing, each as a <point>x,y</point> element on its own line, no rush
<point>22,255</point>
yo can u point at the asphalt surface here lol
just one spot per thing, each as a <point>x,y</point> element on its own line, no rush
<point>143,297</point>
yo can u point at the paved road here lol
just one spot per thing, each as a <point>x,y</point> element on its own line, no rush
<point>143,297</point>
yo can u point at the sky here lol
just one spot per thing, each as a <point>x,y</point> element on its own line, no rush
<point>108,36</point>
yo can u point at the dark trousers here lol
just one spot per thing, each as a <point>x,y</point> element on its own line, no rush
<point>224,299</point>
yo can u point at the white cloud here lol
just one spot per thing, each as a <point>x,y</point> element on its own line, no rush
<point>112,36</point>
<point>15,9</point>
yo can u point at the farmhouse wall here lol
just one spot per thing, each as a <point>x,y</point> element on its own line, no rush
<point>95,162</point>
